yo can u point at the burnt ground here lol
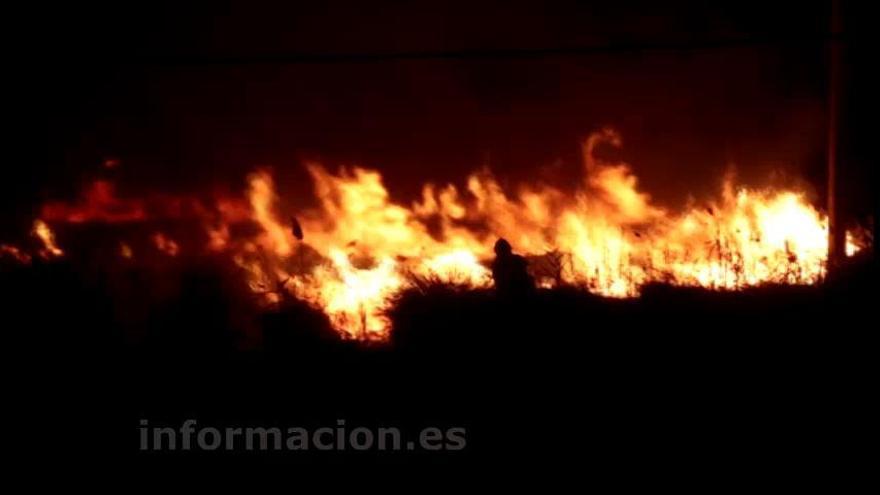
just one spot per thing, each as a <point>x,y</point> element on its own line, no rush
<point>677,387</point>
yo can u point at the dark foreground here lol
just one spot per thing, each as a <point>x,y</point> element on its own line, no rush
<point>679,388</point>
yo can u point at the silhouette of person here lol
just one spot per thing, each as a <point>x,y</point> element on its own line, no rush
<point>510,271</point>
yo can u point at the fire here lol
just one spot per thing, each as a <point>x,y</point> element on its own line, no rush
<point>47,237</point>
<point>354,298</point>
<point>262,196</point>
<point>608,236</point>
<point>14,253</point>
<point>99,204</point>
<point>125,251</point>
<point>460,267</point>
<point>163,243</point>
<point>356,248</point>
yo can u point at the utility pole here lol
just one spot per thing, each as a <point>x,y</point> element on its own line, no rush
<point>836,229</point>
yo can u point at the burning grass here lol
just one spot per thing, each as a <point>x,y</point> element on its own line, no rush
<point>200,309</point>
<point>354,253</point>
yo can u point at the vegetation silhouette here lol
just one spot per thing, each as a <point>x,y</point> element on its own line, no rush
<point>572,368</point>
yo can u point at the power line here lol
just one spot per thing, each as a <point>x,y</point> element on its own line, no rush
<point>483,54</point>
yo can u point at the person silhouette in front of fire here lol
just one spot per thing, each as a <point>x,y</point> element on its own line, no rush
<point>510,272</point>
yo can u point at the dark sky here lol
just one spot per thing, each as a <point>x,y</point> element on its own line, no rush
<point>195,94</point>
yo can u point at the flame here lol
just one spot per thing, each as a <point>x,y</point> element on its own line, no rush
<point>608,236</point>
<point>99,204</point>
<point>125,251</point>
<point>357,248</point>
<point>14,253</point>
<point>354,298</point>
<point>262,197</point>
<point>47,237</point>
<point>164,244</point>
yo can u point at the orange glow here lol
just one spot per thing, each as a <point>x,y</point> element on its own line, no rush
<point>609,236</point>
<point>262,197</point>
<point>352,252</point>
<point>47,237</point>
<point>125,251</point>
<point>165,244</point>
<point>99,204</point>
<point>14,253</point>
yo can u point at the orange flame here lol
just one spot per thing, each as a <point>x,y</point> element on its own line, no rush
<point>607,237</point>
<point>353,252</point>
<point>165,244</point>
<point>125,251</point>
<point>14,253</point>
<point>47,237</point>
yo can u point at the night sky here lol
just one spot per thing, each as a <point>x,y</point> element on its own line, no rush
<point>191,96</point>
